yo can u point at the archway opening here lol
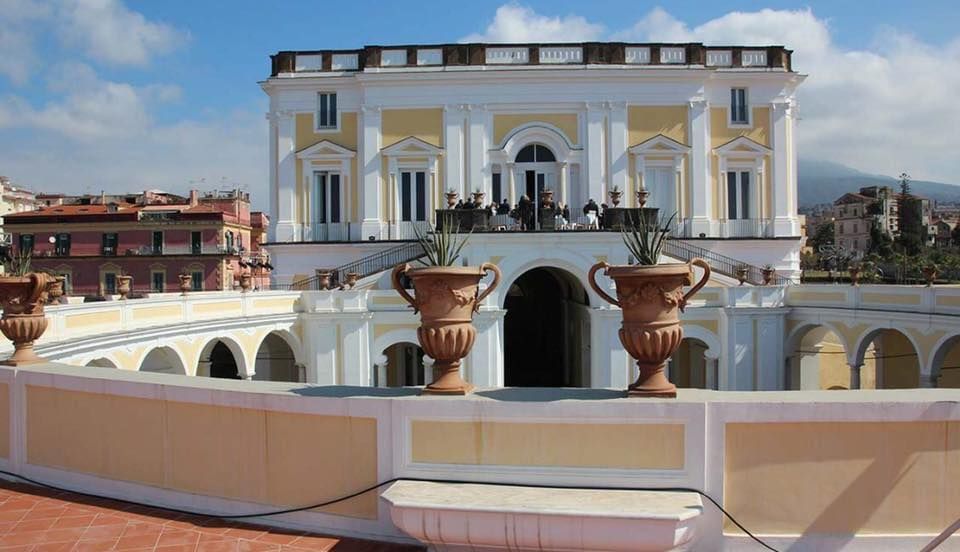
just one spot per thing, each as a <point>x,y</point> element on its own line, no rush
<point>218,361</point>
<point>547,330</point>
<point>102,363</point>
<point>400,365</point>
<point>893,358</point>
<point>276,361</point>
<point>946,364</point>
<point>689,366</point>
<point>537,170</point>
<point>163,360</point>
<point>817,360</point>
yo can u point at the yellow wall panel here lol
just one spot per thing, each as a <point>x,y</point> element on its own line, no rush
<point>566,122</point>
<point>222,308</point>
<point>721,132</point>
<point>346,136</point>
<point>425,124</point>
<point>105,318</point>
<point>646,122</point>
<point>168,311</point>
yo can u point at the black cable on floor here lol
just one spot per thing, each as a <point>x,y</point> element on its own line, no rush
<point>394,480</point>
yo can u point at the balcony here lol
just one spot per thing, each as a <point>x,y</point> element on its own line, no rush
<point>745,228</point>
<point>335,231</point>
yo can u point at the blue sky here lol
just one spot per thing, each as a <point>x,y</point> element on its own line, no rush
<point>106,94</point>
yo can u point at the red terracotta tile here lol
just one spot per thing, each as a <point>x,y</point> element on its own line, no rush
<point>139,541</point>
<point>248,533</point>
<point>97,532</point>
<point>176,548</point>
<point>6,526</point>
<point>96,545</point>
<point>107,519</point>
<point>171,537</point>
<point>63,535</point>
<point>137,528</point>
<point>215,537</point>
<point>52,512</point>
<point>74,521</point>
<point>280,537</point>
<point>219,546</point>
<point>33,525</point>
<point>314,542</point>
<point>256,546</point>
<point>18,539</point>
<point>13,515</point>
<point>20,548</point>
<point>54,546</point>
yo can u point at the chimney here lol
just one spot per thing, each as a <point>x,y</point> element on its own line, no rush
<point>194,198</point>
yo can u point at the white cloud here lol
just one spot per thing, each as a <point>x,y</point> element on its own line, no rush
<point>886,108</point>
<point>515,23</point>
<point>16,41</point>
<point>111,33</point>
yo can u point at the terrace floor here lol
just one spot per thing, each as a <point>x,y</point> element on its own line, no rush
<point>35,519</point>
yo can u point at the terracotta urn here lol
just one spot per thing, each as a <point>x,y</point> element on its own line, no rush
<point>546,198</point>
<point>323,279</point>
<point>186,283</point>
<point>351,280</point>
<point>768,273</point>
<point>124,284</point>
<point>23,322</point>
<point>56,289</point>
<point>446,298</point>
<point>451,199</point>
<point>930,273</point>
<point>742,272</point>
<point>615,196</point>
<point>642,195</point>
<point>651,298</point>
<point>854,272</point>
<point>246,282</point>
<point>478,198</point>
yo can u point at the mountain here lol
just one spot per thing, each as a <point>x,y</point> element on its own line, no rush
<point>825,181</point>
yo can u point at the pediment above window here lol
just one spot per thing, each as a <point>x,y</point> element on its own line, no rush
<point>325,149</point>
<point>411,146</point>
<point>660,145</point>
<point>742,147</point>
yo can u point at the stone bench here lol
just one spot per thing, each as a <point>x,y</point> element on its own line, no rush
<point>492,517</point>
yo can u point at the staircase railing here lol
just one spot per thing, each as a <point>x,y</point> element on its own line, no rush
<point>363,267</point>
<point>728,266</point>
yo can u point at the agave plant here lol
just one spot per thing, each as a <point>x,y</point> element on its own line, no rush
<point>442,247</point>
<point>19,263</point>
<point>645,240</point>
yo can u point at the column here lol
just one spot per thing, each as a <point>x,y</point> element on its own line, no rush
<point>355,345</point>
<point>286,178</point>
<point>855,375</point>
<point>928,381</point>
<point>617,150</point>
<point>391,207</point>
<point>427,370</point>
<point>595,152</point>
<point>783,180</point>
<point>710,366</point>
<point>371,202</point>
<point>701,185</point>
<point>453,146</point>
<point>381,375</point>
<point>477,176</point>
<point>610,365</point>
<point>565,184</point>
<point>486,357</point>
<point>274,184</point>
<point>511,184</point>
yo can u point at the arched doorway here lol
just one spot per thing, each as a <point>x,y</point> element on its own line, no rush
<point>546,330</point>
<point>276,360</point>
<point>689,366</point>
<point>817,360</point>
<point>102,363</point>
<point>218,361</point>
<point>537,166</point>
<point>163,360</point>
<point>895,360</point>
<point>945,368</point>
<point>401,365</point>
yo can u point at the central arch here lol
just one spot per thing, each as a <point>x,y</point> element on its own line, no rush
<point>546,330</point>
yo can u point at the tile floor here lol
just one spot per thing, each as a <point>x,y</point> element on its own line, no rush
<point>33,519</point>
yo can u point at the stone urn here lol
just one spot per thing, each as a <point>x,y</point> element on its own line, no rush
<point>124,285</point>
<point>351,279</point>
<point>23,322</point>
<point>56,289</point>
<point>246,282</point>
<point>854,272</point>
<point>642,195</point>
<point>546,198</point>
<point>768,272</point>
<point>323,279</point>
<point>615,195</point>
<point>930,273</point>
<point>478,197</point>
<point>446,298</point>
<point>451,199</point>
<point>741,273</point>
<point>186,283</point>
<point>651,298</point>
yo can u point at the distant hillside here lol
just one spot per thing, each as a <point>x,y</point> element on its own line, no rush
<point>823,182</point>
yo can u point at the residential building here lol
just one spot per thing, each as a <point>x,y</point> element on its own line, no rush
<point>12,200</point>
<point>152,236</point>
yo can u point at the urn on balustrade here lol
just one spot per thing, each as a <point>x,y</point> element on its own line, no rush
<point>446,298</point>
<point>186,283</point>
<point>23,321</point>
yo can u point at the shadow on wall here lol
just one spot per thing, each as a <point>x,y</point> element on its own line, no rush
<point>347,391</point>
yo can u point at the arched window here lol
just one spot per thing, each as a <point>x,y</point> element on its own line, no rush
<point>535,153</point>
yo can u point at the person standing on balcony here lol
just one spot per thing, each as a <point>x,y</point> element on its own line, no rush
<point>504,207</point>
<point>591,206</point>
<point>525,206</point>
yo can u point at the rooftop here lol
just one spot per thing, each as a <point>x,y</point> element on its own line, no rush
<point>588,54</point>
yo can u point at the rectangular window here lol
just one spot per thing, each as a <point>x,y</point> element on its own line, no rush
<point>26,243</point>
<point>196,279</point>
<point>421,178</point>
<point>157,280</point>
<point>157,243</point>
<point>326,110</point>
<point>61,245</point>
<point>497,190</point>
<point>738,195</point>
<point>413,196</point>
<point>738,107</point>
<point>196,243</point>
<point>326,206</point>
<point>110,244</point>
<point>110,283</point>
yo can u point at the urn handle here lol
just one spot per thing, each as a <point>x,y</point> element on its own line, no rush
<point>398,271</point>
<point>593,283</point>
<point>488,267</point>
<point>699,285</point>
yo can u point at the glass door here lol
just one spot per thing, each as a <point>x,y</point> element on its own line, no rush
<point>662,185</point>
<point>413,196</point>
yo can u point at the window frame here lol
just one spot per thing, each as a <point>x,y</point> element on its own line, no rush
<point>196,284</point>
<point>752,195</point>
<point>61,238</point>
<point>163,280</point>
<point>413,171</point>
<point>103,244</point>
<point>331,129</point>
<point>32,240</point>
<point>107,276</point>
<point>748,111</point>
<point>153,247</point>
<point>328,184</point>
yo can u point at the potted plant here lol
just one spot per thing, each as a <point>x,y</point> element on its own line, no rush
<point>651,296</point>
<point>930,273</point>
<point>742,271</point>
<point>22,296</point>
<point>452,197</point>
<point>768,272</point>
<point>615,195</point>
<point>186,282</point>
<point>124,284</point>
<point>446,296</point>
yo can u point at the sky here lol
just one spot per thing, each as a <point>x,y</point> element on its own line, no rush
<point>123,96</point>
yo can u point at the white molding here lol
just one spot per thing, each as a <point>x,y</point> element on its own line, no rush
<point>411,146</point>
<point>325,149</point>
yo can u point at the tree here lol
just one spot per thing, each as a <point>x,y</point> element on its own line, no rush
<point>955,235</point>
<point>881,244</point>
<point>823,236</point>
<point>910,219</point>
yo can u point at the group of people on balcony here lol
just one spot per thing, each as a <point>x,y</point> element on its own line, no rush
<point>529,217</point>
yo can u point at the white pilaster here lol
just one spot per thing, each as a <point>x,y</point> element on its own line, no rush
<point>610,365</point>
<point>486,357</point>
<point>511,184</point>
<point>453,145</point>
<point>477,176</point>
<point>355,344</point>
<point>855,376</point>
<point>617,152</point>
<point>701,185</point>
<point>783,180</point>
<point>274,184</point>
<point>595,149</point>
<point>286,228</point>
<point>565,184</point>
<point>710,359</point>
<point>371,209</point>
<point>321,351</point>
